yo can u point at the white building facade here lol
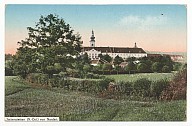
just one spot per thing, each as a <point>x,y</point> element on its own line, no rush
<point>124,52</point>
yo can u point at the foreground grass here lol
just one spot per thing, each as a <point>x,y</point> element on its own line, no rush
<point>134,77</point>
<point>78,106</point>
<point>13,85</point>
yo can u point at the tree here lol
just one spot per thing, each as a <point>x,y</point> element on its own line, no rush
<point>96,69</point>
<point>8,65</point>
<point>86,68</point>
<point>130,59</point>
<point>107,67</point>
<point>117,68</point>
<point>118,60</point>
<point>156,67</point>
<point>166,60</point>
<point>107,58</point>
<point>166,69</point>
<point>142,67</point>
<point>84,59</point>
<point>23,62</point>
<point>100,55</point>
<point>177,66</point>
<point>51,41</point>
<point>130,67</point>
<point>8,56</point>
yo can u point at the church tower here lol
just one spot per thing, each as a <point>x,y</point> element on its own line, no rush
<point>135,45</point>
<point>92,41</point>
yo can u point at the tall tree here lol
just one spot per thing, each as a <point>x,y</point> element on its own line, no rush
<point>107,58</point>
<point>130,67</point>
<point>50,41</point>
<point>156,67</point>
<point>142,68</point>
<point>118,60</point>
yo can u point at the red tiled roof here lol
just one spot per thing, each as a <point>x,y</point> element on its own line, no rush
<point>94,61</point>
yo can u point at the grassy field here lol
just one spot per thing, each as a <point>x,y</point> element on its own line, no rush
<point>150,76</point>
<point>22,99</point>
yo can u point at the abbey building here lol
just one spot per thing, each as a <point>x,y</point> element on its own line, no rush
<point>124,52</point>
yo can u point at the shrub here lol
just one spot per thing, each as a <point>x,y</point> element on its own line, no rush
<point>54,81</point>
<point>156,67</point>
<point>177,66</point>
<point>38,78</point>
<point>8,72</point>
<point>157,87</point>
<point>89,75</point>
<point>177,88</point>
<point>125,87</point>
<point>142,67</point>
<point>66,84</point>
<point>43,79</point>
<point>96,76</point>
<point>142,87</point>
<point>166,69</point>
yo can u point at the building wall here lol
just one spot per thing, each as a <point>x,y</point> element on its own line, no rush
<point>126,55</point>
<point>93,54</point>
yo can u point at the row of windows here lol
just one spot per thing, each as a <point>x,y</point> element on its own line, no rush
<point>95,55</point>
<point>125,54</point>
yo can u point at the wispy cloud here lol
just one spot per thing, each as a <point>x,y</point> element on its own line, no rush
<point>143,23</point>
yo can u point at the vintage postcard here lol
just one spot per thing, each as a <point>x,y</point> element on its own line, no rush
<point>95,62</point>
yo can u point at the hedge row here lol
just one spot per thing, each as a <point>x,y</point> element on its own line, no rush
<point>87,85</point>
<point>105,87</point>
<point>141,88</point>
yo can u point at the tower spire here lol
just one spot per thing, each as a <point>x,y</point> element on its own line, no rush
<point>92,41</point>
<point>135,45</point>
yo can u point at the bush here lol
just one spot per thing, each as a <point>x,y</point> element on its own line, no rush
<point>157,87</point>
<point>125,87</point>
<point>177,88</point>
<point>156,67</point>
<point>8,72</point>
<point>142,87</point>
<point>166,69</point>
<point>38,78</point>
<point>89,75</point>
<point>142,67</point>
<point>104,83</point>
<point>54,81</point>
<point>43,79</point>
<point>177,66</point>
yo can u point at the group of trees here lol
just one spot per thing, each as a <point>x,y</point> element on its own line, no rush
<point>52,48</point>
<point>157,64</point>
<point>141,65</point>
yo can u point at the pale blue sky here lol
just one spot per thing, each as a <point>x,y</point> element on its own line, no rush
<point>114,25</point>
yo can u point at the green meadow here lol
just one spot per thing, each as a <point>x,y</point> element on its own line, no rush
<point>24,100</point>
<point>149,76</point>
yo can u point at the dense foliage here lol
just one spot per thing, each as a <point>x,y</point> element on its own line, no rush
<point>8,65</point>
<point>160,64</point>
<point>50,48</point>
<point>103,86</point>
<point>177,88</point>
